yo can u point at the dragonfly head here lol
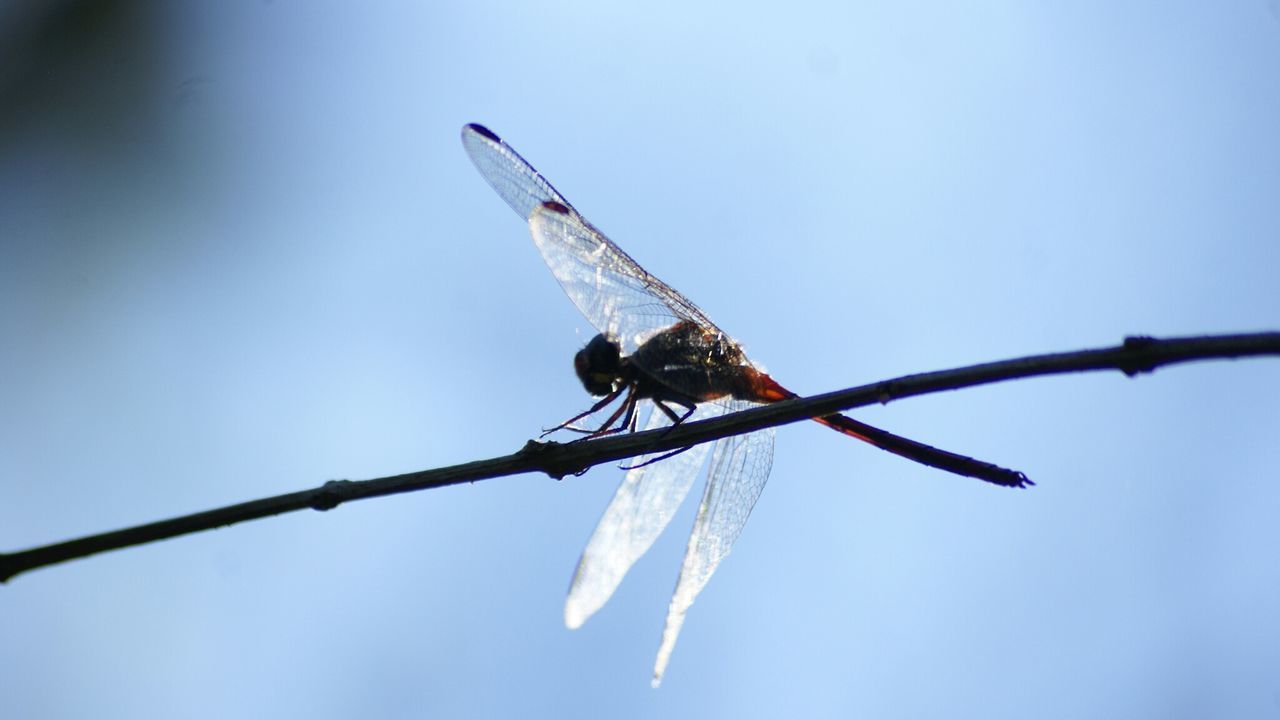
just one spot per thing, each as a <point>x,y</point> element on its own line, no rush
<point>599,366</point>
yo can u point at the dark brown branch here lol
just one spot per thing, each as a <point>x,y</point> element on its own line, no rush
<point>1136,355</point>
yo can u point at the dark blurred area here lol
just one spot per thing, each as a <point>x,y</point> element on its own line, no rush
<point>83,71</point>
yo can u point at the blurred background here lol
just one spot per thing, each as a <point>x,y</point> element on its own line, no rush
<point>242,252</point>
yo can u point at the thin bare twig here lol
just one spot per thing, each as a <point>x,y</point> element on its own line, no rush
<point>1136,355</point>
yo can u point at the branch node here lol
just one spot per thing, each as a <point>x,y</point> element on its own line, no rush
<point>330,495</point>
<point>546,456</point>
<point>885,392</point>
<point>1137,359</point>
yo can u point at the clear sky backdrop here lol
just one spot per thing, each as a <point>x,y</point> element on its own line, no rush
<point>242,252</point>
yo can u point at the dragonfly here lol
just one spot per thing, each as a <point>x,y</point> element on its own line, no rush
<point>658,350</point>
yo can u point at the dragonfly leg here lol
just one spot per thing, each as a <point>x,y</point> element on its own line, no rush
<point>625,411</point>
<point>660,458</point>
<point>689,407</point>
<point>628,423</point>
<point>568,424</point>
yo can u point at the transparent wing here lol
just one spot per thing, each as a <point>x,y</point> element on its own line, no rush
<point>641,508</point>
<point>615,294</point>
<point>739,468</point>
<point>502,167</point>
<point>629,305</point>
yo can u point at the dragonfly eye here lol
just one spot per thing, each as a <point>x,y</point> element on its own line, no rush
<point>598,365</point>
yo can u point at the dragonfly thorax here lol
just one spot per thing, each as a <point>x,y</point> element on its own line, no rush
<point>599,366</point>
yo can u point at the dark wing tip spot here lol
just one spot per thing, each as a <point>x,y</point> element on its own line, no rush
<point>483,131</point>
<point>556,207</point>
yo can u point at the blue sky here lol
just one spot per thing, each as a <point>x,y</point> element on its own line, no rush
<point>242,252</point>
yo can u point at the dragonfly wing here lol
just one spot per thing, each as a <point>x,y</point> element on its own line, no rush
<point>739,468</point>
<point>630,306</point>
<point>510,175</point>
<point>641,508</point>
<point>602,280</point>
<point>615,294</point>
